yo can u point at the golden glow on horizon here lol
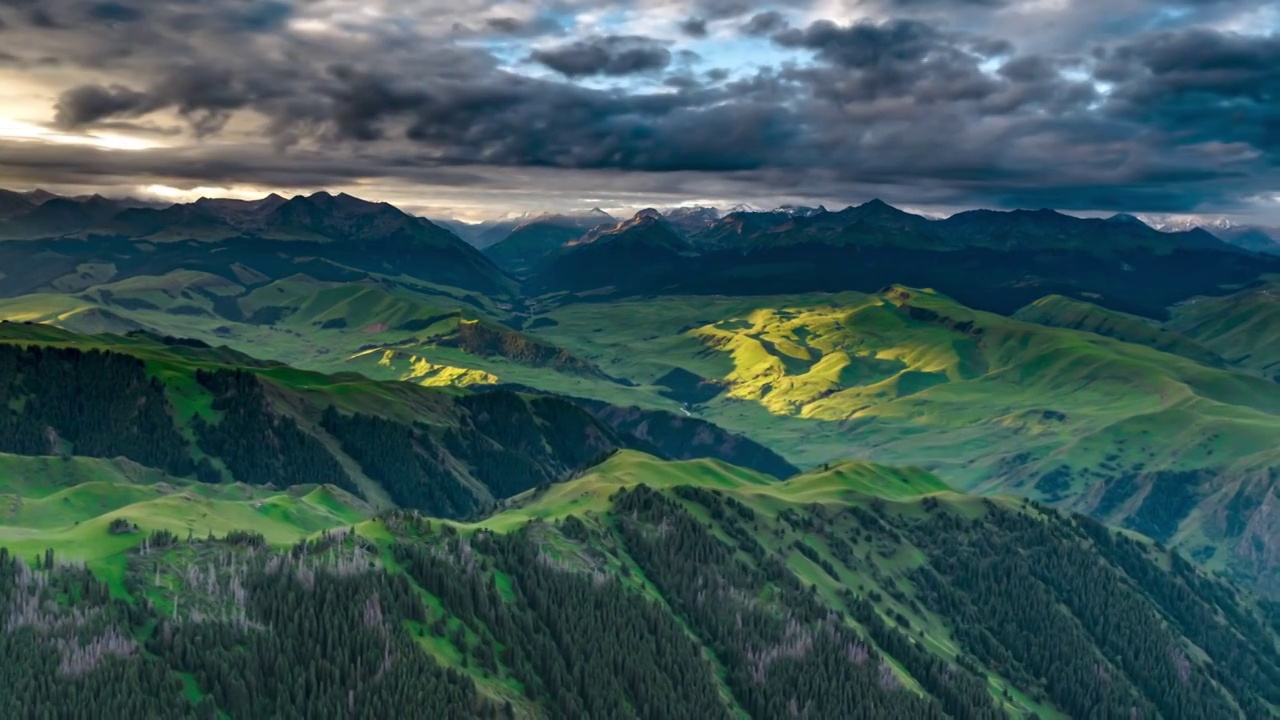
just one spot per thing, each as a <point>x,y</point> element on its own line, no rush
<point>183,195</point>
<point>32,132</point>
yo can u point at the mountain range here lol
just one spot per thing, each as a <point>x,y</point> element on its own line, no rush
<point>759,463</point>
<point>1260,238</point>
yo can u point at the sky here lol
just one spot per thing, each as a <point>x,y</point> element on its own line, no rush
<point>482,108</point>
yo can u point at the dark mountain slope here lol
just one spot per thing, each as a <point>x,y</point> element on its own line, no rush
<point>60,216</point>
<point>998,261</point>
<point>1042,229</point>
<point>13,204</point>
<point>528,246</point>
<point>217,415</point>
<point>676,437</point>
<point>1137,280</point>
<point>634,256</point>
<point>274,237</point>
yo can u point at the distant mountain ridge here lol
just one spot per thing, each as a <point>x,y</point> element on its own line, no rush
<point>327,235</point>
<point>634,253</point>
<point>319,217</point>
<point>995,260</point>
<point>1253,237</point>
<point>530,243</point>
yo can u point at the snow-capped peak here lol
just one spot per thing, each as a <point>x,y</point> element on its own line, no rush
<point>1182,223</point>
<point>800,210</point>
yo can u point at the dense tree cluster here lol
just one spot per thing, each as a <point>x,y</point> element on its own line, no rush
<point>317,641</point>
<point>516,443</point>
<point>575,638</point>
<point>320,645</point>
<point>1037,604</point>
<point>66,649</point>
<point>258,445</point>
<point>486,340</point>
<point>507,442</point>
<point>794,659</point>
<point>401,461</point>
<point>57,401</point>
<point>679,603</point>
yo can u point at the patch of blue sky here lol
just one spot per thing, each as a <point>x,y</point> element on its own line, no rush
<point>742,56</point>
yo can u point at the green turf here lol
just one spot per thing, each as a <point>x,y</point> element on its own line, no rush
<point>1063,408</point>
<point>68,506</point>
<point>1244,328</point>
<point>1059,311</point>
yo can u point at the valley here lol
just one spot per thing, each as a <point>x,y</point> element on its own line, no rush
<point>487,467</point>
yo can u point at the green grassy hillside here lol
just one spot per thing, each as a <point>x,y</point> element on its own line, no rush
<point>69,505</point>
<point>1166,429</point>
<point>1152,440</point>
<point>1244,327</point>
<point>217,415</point>
<point>663,588</point>
<point>385,328</point>
<point>1065,312</point>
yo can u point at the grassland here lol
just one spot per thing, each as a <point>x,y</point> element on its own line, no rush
<point>384,328</point>
<point>842,483</point>
<point>68,505</point>
<point>1099,411</point>
<point>1065,312</point>
<point>1099,423</point>
<point>1243,327</point>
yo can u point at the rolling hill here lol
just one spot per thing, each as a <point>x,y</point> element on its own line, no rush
<point>1166,427</point>
<point>215,414</point>
<point>1177,449</point>
<point>1243,327</point>
<point>315,457</point>
<point>1065,312</point>
<point>1144,426</point>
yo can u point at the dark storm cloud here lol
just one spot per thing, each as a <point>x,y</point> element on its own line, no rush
<point>722,9</point>
<point>65,165</point>
<point>1030,68</point>
<point>42,19</point>
<point>945,111</point>
<point>262,16</point>
<point>902,42</point>
<point>89,104</point>
<point>1201,86</point>
<point>203,95</point>
<point>608,55</point>
<point>765,23</point>
<point>865,62</point>
<point>114,12</point>
<point>694,27</point>
<point>516,27</point>
<point>946,4</point>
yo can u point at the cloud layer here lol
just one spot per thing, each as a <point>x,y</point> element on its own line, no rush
<point>1130,105</point>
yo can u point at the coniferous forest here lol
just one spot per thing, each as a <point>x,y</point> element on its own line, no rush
<point>684,602</point>
<point>242,540</point>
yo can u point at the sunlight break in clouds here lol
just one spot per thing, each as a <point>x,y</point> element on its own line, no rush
<point>1079,105</point>
<point>31,132</point>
